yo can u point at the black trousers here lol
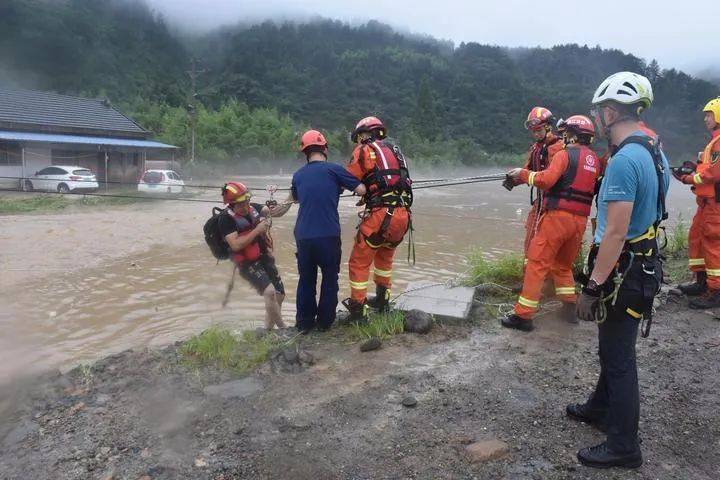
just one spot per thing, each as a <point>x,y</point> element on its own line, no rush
<point>616,398</point>
<point>323,253</point>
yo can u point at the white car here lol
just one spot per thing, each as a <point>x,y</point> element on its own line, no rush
<point>161,181</point>
<point>63,179</point>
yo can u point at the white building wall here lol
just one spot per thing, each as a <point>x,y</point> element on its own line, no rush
<point>36,158</point>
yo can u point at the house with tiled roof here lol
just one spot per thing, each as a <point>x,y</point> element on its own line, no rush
<point>38,129</point>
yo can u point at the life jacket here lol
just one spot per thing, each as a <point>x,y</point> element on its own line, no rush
<point>388,182</point>
<point>245,224</point>
<point>708,190</point>
<point>542,152</point>
<point>575,189</point>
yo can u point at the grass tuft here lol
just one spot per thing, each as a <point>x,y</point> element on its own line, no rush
<point>505,270</point>
<point>677,239</point>
<point>54,203</point>
<point>221,348</point>
<point>381,325</point>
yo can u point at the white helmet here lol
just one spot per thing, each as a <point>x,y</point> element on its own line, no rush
<point>624,87</point>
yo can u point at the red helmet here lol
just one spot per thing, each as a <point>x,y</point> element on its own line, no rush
<point>235,192</point>
<point>312,138</point>
<point>369,124</point>
<point>580,125</point>
<point>539,117</point>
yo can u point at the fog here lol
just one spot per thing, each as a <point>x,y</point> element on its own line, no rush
<point>677,34</point>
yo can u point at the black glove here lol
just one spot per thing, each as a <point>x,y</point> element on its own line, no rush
<point>588,302</point>
<point>691,167</point>
<point>508,183</point>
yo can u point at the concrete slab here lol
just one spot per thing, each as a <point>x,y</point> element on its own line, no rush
<point>440,300</point>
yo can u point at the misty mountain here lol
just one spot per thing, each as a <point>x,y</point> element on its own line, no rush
<point>460,99</point>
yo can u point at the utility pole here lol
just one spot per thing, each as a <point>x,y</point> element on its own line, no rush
<point>193,73</point>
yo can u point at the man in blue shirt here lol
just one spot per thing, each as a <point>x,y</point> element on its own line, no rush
<point>317,187</point>
<point>625,269</point>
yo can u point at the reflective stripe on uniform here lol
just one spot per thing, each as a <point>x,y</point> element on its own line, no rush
<point>531,178</point>
<point>528,303</point>
<point>695,262</point>
<point>697,179</point>
<point>358,285</point>
<point>713,272</point>
<point>564,290</point>
<point>383,273</point>
<point>633,313</point>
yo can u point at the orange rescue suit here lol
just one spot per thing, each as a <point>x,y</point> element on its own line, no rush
<point>569,185</point>
<point>539,157</point>
<point>383,227</point>
<point>704,235</point>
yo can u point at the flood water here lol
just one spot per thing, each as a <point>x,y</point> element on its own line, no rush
<point>80,284</point>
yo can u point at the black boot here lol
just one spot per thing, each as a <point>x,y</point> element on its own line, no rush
<point>381,300</point>
<point>513,321</point>
<point>580,412</point>
<point>698,287</point>
<point>600,456</point>
<point>711,300</point>
<point>356,312</point>
<point>567,313</point>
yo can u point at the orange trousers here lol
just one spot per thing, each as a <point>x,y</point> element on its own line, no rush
<point>371,248</point>
<point>704,241</point>
<point>552,251</point>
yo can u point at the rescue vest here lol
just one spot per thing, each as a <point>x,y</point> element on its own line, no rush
<point>707,190</point>
<point>245,224</point>
<point>540,156</point>
<point>575,189</point>
<point>388,183</point>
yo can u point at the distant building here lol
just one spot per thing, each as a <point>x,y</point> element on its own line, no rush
<point>38,129</point>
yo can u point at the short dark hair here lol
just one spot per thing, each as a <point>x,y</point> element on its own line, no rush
<point>584,139</point>
<point>315,149</point>
<point>628,110</point>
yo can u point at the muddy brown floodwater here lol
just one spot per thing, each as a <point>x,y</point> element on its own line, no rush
<point>80,284</point>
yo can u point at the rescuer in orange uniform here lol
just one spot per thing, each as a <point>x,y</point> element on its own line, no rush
<point>704,236</point>
<point>382,168</point>
<point>539,123</point>
<point>568,184</point>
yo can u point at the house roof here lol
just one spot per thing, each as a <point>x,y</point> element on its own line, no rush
<point>84,140</point>
<point>50,112</point>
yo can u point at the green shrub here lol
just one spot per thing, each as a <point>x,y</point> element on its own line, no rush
<point>504,270</point>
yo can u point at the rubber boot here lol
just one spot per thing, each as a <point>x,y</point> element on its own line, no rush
<point>381,300</point>
<point>518,323</point>
<point>711,300</point>
<point>698,287</point>
<point>567,313</point>
<point>356,312</point>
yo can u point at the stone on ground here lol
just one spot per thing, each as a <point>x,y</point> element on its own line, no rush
<point>486,450</point>
<point>417,321</point>
<point>371,344</point>
<point>452,302</point>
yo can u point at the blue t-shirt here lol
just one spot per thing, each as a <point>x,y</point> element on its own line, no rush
<point>317,187</point>
<point>631,177</point>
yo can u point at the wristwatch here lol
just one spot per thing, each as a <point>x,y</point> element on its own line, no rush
<point>592,288</point>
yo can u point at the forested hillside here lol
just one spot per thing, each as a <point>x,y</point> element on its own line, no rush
<point>264,83</point>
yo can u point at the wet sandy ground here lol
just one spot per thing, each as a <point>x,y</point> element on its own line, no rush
<point>80,284</point>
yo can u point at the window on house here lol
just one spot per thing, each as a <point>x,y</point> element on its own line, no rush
<point>10,154</point>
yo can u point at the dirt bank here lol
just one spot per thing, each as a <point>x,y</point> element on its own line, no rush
<point>145,415</point>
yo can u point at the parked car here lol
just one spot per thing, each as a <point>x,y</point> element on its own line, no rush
<point>161,181</point>
<point>63,179</point>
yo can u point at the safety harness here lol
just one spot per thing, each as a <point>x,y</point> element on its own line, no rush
<point>643,247</point>
<point>389,186</point>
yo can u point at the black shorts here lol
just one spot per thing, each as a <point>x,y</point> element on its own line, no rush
<point>262,273</point>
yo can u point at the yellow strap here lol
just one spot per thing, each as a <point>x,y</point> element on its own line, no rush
<point>648,235</point>
<point>528,303</point>
<point>633,313</point>
<point>695,262</point>
<point>383,273</point>
<point>358,285</point>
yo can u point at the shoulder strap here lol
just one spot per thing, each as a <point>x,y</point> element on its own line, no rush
<point>652,145</point>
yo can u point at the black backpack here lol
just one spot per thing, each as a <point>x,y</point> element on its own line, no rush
<point>218,245</point>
